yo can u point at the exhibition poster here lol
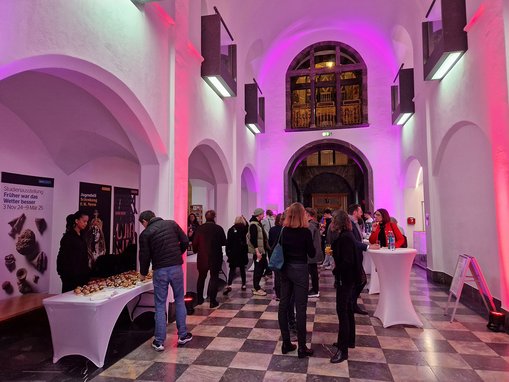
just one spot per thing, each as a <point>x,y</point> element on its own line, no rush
<point>124,219</point>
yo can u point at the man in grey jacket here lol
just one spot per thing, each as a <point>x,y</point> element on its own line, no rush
<point>313,262</point>
<point>163,243</point>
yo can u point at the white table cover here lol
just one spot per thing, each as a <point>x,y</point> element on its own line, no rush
<point>192,274</point>
<point>395,305</point>
<point>83,324</point>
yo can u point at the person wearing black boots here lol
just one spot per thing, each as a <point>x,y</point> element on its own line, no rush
<point>297,245</point>
<point>347,275</point>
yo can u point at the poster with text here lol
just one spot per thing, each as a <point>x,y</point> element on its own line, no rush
<point>25,234</point>
<point>95,200</point>
<point>124,220</point>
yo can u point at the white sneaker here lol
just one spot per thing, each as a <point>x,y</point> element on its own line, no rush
<point>259,292</point>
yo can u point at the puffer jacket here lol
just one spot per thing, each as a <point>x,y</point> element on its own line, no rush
<point>163,242</point>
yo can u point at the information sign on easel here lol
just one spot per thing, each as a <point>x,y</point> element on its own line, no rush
<point>464,264</point>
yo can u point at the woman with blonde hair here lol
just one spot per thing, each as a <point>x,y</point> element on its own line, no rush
<point>297,245</point>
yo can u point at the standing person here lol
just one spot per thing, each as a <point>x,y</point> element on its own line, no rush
<point>269,221</point>
<point>192,226</point>
<point>381,227</point>
<point>163,243</point>
<point>314,227</point>
<point>355,213</point>
<point>297,244</point>
<point>274,233</point>
<point>368,221</point>
<point>347,274</point>
<point>267,224</point>
<point>325,222</point>
<point>236,251</point>
<point>208,243</point>
<point>72,260</point>
<point>258,246</point>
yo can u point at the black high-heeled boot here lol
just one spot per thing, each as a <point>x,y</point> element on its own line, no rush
<point>288,347</point>
<point>339,357</point>
<point>304,352</point>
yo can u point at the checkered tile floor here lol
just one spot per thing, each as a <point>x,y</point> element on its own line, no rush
<point>240,341</point>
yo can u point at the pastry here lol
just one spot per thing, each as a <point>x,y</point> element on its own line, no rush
<point>10,262</point>
<point>27,245</point>
<point>7,287</point>
<point>17,225</point>
<point>41,225</point>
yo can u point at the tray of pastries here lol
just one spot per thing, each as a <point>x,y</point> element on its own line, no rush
<point>123,280</point>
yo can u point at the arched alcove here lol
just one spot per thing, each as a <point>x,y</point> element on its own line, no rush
<point>329,144</point>
<point>248,191</point>
<point>71,120</point>
<point>210,177</point>
<point>465,194</point>
<point>413,201</point>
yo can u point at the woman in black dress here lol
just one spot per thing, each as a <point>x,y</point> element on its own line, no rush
<point>297,245</point>
<point>72,259</point>
<point>347,274</point>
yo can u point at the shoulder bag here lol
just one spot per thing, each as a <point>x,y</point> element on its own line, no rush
<point>277,259</point>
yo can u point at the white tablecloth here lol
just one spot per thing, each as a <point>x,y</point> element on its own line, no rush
<point>83,324</point>
<point>192,274</point>
<point>394,305</point>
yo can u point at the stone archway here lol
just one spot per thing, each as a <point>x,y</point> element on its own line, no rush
<point>330,144</point>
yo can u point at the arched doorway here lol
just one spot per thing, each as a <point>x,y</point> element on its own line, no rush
<point>293,191</point>
<point>210,176</point>
<point>70,120</point>
<point>248,190</point>
<point>413,196</point>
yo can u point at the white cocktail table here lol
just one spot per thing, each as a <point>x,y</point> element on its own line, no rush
<point>395,305</point>
<point>83,324</point>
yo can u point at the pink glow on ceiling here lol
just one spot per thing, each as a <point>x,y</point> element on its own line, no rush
<point>167,19</point>
<point>360,36</point>
<point>475,18</point>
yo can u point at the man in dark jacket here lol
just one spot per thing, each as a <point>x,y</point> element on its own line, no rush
<point>355,213</point>
<point>258,246</point>
<point>163,242</point>
<point>313,262</point>
<point>208,241</point>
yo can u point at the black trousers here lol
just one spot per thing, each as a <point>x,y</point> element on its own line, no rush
<point>294,280</point>
<point>359,288</point>
<point>313,272</point>
<point>231,274</point>
<point>213,283</point>
<point>259,268</point>
<point>344,309</point>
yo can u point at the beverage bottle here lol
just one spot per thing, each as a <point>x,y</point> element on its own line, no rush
<point>391,241</point>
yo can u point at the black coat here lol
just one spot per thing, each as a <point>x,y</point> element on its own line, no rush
<point>208,242</point>
<point>72,259</point>
<point>163,242</point>
<point>236,245</point>
<point>347,269</point>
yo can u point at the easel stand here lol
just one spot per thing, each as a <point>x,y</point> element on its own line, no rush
<point>464,264</point>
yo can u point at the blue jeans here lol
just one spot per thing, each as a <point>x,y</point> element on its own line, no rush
<point>163,277</point>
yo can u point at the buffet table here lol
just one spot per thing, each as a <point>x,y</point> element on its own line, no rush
<point>83,324</point>
<point>192,273</point>
<point>394,305</point>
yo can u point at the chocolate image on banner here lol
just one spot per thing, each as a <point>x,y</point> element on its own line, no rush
<point>26,218</point>
<point>125,238</point>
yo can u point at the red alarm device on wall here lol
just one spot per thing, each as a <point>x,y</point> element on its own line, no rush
<point>410,220</point>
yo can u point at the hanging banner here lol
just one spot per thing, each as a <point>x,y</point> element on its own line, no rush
<point>124,220</point>
<point>95,200</point>
<point>26,221</point>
